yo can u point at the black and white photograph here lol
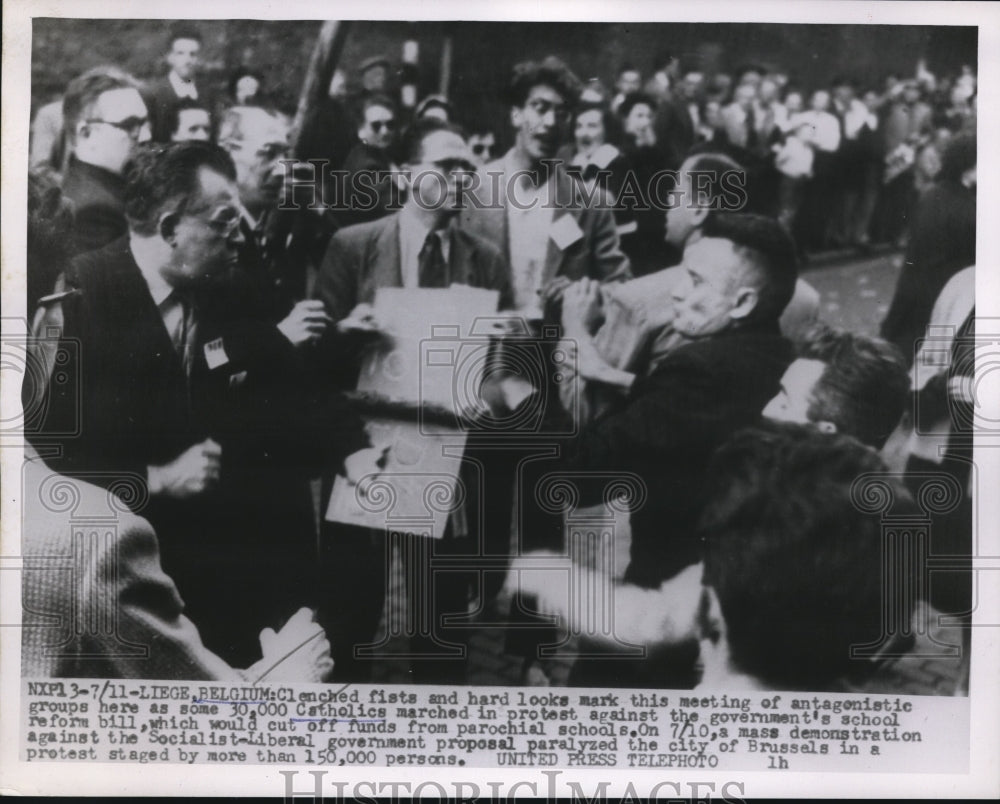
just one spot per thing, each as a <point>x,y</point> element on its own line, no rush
<point>404,396</point>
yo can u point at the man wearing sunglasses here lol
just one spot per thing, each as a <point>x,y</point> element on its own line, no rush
<point>105,118</point>
<point>372,187</point>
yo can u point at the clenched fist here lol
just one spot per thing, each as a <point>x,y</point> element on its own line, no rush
<point>194,472</point>
<point>307,322</point>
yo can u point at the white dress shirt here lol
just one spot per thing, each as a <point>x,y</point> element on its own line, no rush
<point>528,223</point>
<point>412,236</point>
<point>183,89</point>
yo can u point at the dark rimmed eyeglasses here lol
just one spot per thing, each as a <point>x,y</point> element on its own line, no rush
<point>378,125</point>
<point>132,126</point>
<point>225,220</point>
<point>449,166</point>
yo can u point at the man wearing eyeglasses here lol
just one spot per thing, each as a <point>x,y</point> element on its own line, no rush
<point>104,118</point>
<point>418,247</point>
<point>191,393</point>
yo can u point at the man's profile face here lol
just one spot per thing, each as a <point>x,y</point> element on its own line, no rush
<point>192,124</point>
<point>257,156</point>
<point>378,128</point>
<point>116,124</point>
<point>682,216</point>
<point>792,402</point>
<point>207,235</point>
<point>445,160</point>
<point>706,294</point>
<point>184,58</point>
<point>540,122</point>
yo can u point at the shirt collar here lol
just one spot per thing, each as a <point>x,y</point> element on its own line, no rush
<point>145,258</point>
<point>184,89</point>
<point>413,230</point>
<point>601,158</point>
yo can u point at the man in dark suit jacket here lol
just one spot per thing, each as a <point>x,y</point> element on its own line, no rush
<point>739,277</point>
<point>418,247</point>
<point>369,186</point>
<point>163,94</point>
<point>117,614</point>
<point>190,391</point>
<point>105,118</point>
<point>675,124</point>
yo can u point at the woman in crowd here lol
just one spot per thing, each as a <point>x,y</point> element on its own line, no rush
<point>595,159</point>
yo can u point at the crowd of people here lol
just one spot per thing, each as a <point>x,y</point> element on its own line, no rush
<point>218,327</point>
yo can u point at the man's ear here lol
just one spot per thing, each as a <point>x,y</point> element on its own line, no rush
<point>516,116</point>
<point>167,226</point>
<point>699,215</point>
<point>711,625</point>
<point>405,176</point>
<point>826,427</point>
<point>746,302</point>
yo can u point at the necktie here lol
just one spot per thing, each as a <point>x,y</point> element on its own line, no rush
<point>181,322</point>
<point>190,337</point>
<point>433,272</point>
<point>751,129</point>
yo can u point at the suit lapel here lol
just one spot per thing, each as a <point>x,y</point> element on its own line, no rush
<point>387,269</point>
<point>490,219</point>
<point>460,267</point>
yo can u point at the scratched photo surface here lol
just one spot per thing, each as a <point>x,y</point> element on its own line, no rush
<point>501,354</point>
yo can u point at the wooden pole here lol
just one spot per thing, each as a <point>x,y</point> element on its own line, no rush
<point>322,64</point>
<point>445,81</point>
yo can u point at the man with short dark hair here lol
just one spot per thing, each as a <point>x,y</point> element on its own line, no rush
<point>678,118</point>
<point>531,209</point>
<point>780,505</point>
<point>193,397</point>
<point>371,181</point>
<point>734,282</point>
<point>629,80</point>
<point>738,277</point>
<point>104,118</point>
<point>163,95</point>
<point>551,234</point>
<point>844,383</point>
<point>794,577</point>
<point>418,247</point>
<point>189,120</point>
